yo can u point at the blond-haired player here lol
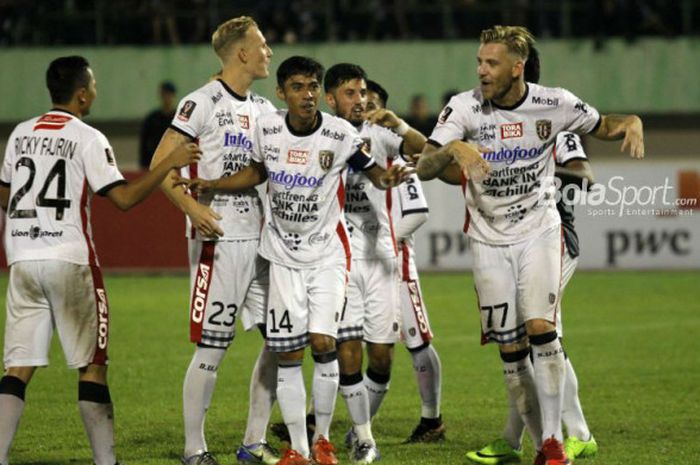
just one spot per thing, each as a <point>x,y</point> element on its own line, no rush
<point>512,221</point>
<point>228,278</point>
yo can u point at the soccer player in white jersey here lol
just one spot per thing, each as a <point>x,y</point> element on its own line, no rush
<point>409,210</point>
<point>53,164</point>
<point>512,221</point>
<point>371,313</point>
<point>228,278</point>
<point>572,169</point>
<point>303,154</point>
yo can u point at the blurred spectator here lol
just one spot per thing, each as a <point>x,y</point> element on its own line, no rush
<point>419,116</point>
<point>157,122</point>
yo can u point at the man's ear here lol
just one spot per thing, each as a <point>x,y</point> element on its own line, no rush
<point>280,93</point>
<point>81,95</point>
<point>330,100</point>
<point>518,68</point>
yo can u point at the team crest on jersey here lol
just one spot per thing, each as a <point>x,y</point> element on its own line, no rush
<point>298,157</point>
<point>186,111</point>
<point>325,159</point>
<point>244,121</point>
<point>544,128</point>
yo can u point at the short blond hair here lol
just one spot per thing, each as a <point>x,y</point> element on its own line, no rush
<point>229,33</point>
<point>517,39</point>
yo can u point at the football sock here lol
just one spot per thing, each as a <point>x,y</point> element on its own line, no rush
<point>12,391</point>
<point>426,365</point>
<point>197,392</point>
<point>377,386</point>
<point>353,390</point>
<point>524,408</point>
<point>97,412</point>
<point>550,370</point>
<point>263,386</point>
<point>325,391</point>
<point>572,414</point>
<point>291,397</point>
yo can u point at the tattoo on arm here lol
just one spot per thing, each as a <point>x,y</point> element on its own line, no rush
<point>432,164</point>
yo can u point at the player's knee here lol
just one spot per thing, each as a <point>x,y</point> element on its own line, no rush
<point>321,343</point>
<point>515,356</point>
<point>290,358</point>
<point>380,357</point>
<point>350,357</point>
<point>22,373</point>
<point>325,357</point>
<point>543,338</point>
<point>539,326</point>
<point>512,347</point>
<point>93,374</point>
<point>350,379</point>
<point>415,350</point>
<point>93,392</point>
<point>13,386</point>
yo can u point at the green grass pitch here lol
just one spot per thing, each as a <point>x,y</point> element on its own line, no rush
<point>633,339</point>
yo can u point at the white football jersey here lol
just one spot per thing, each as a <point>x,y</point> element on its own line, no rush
<point>304,221</point>
<point>222,122</point>
<point>517,201</point>
<point>408,199</point>
<point>367,208</point>
<point>53,164</point>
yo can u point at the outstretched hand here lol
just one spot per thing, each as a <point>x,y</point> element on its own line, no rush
<point>383,117</point>
<point>185,154</point>
<point>469,159</point>
<point>634,139</point>
<point>395,175</point>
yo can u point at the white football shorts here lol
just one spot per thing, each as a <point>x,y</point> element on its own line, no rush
<point>228,279</point>
<point>516,283</point>
<point>304,301</point>
<point>47,294</point>
<point>372,309</point>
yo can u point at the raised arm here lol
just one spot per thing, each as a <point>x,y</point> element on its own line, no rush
<point>125,196</point>
<point>413,140</point>
<point>246,178</point>
<point>629,127</point>
<point>203,218</point>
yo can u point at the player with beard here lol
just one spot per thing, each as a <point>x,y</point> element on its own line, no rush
<point>572,169</point>
<point>512,221</point>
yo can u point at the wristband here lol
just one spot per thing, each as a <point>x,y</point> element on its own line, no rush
<point>402,128</point>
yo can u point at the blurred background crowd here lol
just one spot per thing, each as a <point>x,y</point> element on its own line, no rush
<point>167,22</point>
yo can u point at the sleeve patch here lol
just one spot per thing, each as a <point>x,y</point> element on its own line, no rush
<point>186,110</point>
<point>445,114</point>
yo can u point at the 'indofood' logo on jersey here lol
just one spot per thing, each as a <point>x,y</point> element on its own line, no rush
<point>339,136</point>
<point>510,156</point>
<point>291,180</point>
<point>237,140</point>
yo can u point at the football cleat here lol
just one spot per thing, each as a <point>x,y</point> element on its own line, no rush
<point>499,451</point>
<point>553,452</point>
<point>260,453</point>
<point>323,452</point>
<point>575,448</point>
<point>292,457</point>
<point>365,453</point>
<point>427,431</point>
<point>205,458</point>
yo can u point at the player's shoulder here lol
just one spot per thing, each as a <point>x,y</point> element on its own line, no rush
<point>261,102</point>
<point>207,95</point>
<point>336,128</point>
<point>272,118</point>
<point>548,96</point>
<point>466,99</point>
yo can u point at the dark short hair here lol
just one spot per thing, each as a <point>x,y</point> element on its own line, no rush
<point>168,86</point>
<point>66,75</point>
<point>342,73</point>
<point>373,86</point>
<point>299,65</point>
<point>532,66</point>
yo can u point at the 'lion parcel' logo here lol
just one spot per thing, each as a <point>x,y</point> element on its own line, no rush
<point>199,301</point>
